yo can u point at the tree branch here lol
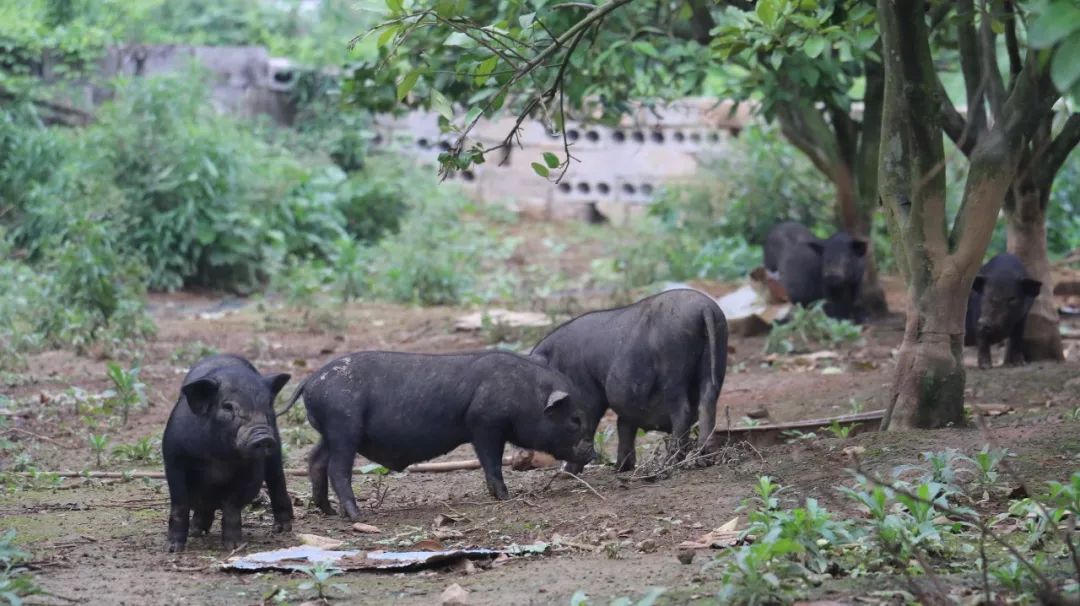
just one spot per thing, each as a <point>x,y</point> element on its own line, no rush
<point>1011,43</point>
<point>1061,146</point>
<point>971,67</point>
<point>991,73</point>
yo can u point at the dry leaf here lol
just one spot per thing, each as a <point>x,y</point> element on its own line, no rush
<point>447,533</point>
<point>321,542</point>
<point>990,410</point>
<point>428,545</point>
<point>724,536</point>
<point>365,528</point>
<point>443,520</point>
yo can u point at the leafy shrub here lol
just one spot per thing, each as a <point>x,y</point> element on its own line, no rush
<point>191,183</point>
<point>808,328</point>
<point>1063,211</point>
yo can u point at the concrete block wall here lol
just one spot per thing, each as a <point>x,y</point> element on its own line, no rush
<point>616,171</point>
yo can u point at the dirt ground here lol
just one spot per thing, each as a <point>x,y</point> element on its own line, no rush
<point>103,542</point>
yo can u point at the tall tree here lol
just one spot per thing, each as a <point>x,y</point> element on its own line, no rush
<point>939,264</point>
<point>1044,150</point>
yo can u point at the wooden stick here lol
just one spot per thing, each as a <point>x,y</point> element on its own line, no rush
<point>437,467</point>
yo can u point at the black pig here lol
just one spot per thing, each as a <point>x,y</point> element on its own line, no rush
<point>658,363</point>
<point>220,444</point>
<point>812,269</point>
<point>794,255</point>
<point>843,261</point>
<point>399,408</point>
<point>1001,296</point>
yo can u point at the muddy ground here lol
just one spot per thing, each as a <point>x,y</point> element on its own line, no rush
<point>102,541</point>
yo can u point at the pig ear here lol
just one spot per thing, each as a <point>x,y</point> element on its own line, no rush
<point>818,247</point>
<point>858,247</point>
<point>554,399</point>
<point>200,394</point>
<point>1030,287</point>
<point>276,382</point>
<point>978,284</point>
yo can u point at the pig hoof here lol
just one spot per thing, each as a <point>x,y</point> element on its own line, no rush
<point>176,546</point>
<point>500,494</point>
<point>283,526</point>
<point>196,532</point>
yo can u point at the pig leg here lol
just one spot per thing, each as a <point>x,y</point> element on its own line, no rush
<point>201,521</point>
<point>489,449</point>
<point>317,472</point>
<point>340,471</point>
<point>280,502</point>
<point>681,421</point>
<point>984,352</point>
<point>179,505</point>
<point>1014,347</point>
<point>230,524</point>
<point>626,459</point>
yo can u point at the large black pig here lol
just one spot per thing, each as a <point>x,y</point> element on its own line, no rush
<point>220,444</point>
<point>812,269</point>
<point>399,408</point>
<point>658,363</point>
<point>1001,296</point>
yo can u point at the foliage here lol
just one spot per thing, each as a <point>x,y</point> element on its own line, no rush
<point>15,583</point>
<point>144,450</point>
<point>1057,26</point>
<point>1063,211</point>
<point>98,445</point>
<point>127,389</point>
<point>807,329</point>
<point>319,576</point>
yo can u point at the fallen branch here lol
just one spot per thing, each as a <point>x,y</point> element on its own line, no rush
<point>437,467</point>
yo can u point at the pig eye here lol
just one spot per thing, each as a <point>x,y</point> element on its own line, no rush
<point>576,421</point>
<point>229,407</point>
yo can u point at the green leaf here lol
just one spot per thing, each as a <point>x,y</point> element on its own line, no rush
<point>813,47</point>
<point>395,7</point>
<point>374,468</point>
<point>580,598</point>
<point>484,69</point>
<point>766,11</point>
<point>551,160</point>
<point>407,83</point>
<point>440,104</point>
<point>866,38</point>
<point>1065,65</point>
<point>387,35</point>
<point>1061,18</point>
<point>540,169</point>
<point>473,114</point>
<point>646,48</point>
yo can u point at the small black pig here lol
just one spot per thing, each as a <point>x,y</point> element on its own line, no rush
<point>843,261</point>
<point>400,408</point>
<point>793,254</point>
<point>220,444</point>
<point>1001,296</point>
<point>658,363</point>
<point>812,269</point>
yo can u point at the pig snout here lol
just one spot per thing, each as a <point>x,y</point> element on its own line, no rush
<point>256,440</point>
<point>584,453</point>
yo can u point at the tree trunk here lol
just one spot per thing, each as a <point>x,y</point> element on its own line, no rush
<point>872,297</point>
<point>928,389</point>
<point>1025,212</point>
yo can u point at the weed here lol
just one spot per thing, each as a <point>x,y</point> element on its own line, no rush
<point>129,391</point>
<point>840,431</point>
<point>600,444</point>
<point>319,577</point>
<point>808,328</point>
<point>190,352</point>
<point>15,583</point>
<point>98,445</point>
<point>146,450</point>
